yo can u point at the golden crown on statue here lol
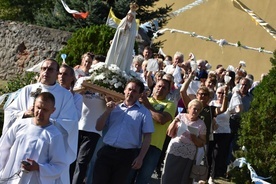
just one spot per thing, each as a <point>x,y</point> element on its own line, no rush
<point>133,6</point>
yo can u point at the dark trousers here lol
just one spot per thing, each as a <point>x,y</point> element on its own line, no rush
<point>113,165</point>
<point>218,150</point>
<point>86,145</point>
<point>163,154</point>
<point>235,126</point>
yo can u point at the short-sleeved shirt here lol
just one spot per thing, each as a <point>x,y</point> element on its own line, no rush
<point>126,126</point>
<point>92,108</point>
<point>182,145</point>
<point>159,135</point>
<point>235,101</point>
<point>246,101</point>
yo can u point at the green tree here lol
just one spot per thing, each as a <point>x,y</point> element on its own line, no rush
<point>146,12</point>
<point>93,39</point>
<point>13,85</point>
<point>57,17</point>
<point>258,127</point>
<point>18,82</point>
<point>51,13</point>
<point>22,11</point>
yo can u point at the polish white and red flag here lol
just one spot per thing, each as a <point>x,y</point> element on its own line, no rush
<point>76,14</point>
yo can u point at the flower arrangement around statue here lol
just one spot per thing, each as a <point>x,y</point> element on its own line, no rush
<point>107,80</point>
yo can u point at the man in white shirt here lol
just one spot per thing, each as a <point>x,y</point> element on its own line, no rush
<point>175,68</point>
<point>32,150</point>
<point>65,116</point>
<point>93,106</point>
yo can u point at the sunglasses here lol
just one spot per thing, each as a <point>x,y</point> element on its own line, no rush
<point>220,92</point>
<point>202,94</point>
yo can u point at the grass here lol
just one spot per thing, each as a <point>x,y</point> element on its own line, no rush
<point>2,83</point>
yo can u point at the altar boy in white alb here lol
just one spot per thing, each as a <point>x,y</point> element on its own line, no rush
<point>65,117</point>
<point>37,142</point>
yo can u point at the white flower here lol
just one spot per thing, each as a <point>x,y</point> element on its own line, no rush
<point>100,77</point>
<point>113,81</point>
<point>110,77</point>
<point>105,81</point>
<point>97,66</point>
<point>118,84</point>
<point>114,68</point>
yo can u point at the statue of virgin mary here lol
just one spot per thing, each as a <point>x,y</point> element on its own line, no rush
<point>120,52</point>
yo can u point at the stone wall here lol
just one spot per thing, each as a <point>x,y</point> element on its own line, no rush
<point>23,45</point>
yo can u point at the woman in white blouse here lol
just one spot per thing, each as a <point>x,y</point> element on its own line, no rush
<point>222,136</point>
<point>188,132</point>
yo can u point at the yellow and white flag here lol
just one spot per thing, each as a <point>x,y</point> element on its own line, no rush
<point>113,21</point>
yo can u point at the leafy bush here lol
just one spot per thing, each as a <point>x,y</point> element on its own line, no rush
<point>240,175</point>
<point>258,127</point>
<point>18,82</point>
<point>13,85</point>
<point>93,39</point>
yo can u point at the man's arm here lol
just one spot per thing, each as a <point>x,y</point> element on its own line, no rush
<point>160,117</point>
<point>102,119</point>
<point>149,79</point>
<point>137,163</point>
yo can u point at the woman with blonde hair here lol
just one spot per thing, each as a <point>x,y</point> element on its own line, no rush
<point>86,62</point>
<point>183,145</point>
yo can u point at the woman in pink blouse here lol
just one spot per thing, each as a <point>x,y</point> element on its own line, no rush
<point>188,132</point>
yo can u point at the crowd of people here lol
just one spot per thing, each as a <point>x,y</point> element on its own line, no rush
<point>175,112</point>
<point>55,134</point>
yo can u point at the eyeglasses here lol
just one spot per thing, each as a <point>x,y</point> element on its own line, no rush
<point>202,94</point>
<point>244,84</point>
<point>221,93</point>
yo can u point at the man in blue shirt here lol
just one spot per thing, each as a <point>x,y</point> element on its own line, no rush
<point>127,124</point>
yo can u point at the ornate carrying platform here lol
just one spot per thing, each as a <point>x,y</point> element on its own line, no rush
<point>103,91</point>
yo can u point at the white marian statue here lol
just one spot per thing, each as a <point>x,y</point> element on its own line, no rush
<point>121,49</point>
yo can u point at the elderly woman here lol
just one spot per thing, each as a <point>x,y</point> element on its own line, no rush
<point>222,135</point>
<point>183,145</point>
<point>207,114</point>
